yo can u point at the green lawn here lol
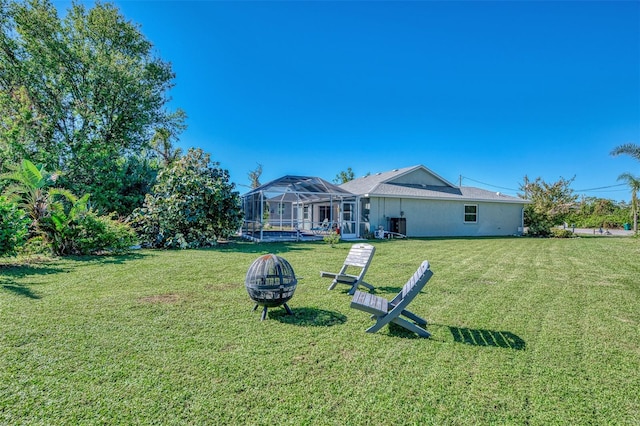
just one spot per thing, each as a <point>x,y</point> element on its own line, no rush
<point>524,331</point>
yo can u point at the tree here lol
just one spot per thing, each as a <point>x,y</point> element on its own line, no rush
<point>344,176</point>
<point>254,176</point>
<point>634,184</point>
<point>634,151</point>
<point>162,142</point>
<point>192,205</point>
<point>594,212</point>
<point>628,149</point>
<point>79,94</point>
<point>123,188</point>
<point>550,204</point>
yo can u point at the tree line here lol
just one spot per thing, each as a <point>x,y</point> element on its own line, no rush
<point>554,204</point>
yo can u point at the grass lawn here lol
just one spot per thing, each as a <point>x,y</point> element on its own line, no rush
<point>524,331</point>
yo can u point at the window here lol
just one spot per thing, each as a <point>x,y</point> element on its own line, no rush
<point>470,213</point>
<point>325,212</point>
<point>347,211</point>
<point>281,209</point>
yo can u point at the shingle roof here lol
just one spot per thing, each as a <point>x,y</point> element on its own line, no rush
<point>368,184</point>
<point>382,185</point>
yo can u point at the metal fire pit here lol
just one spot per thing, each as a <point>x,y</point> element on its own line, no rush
<point>270,282</point>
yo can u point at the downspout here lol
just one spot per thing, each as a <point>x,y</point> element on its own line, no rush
<point>331,211</point>
<point>357,213</point>
<point>261,214</point>
<point>296,219</point>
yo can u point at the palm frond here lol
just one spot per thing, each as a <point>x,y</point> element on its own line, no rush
<point>65,193</point>
<point>631,180</point>
<point>628,149</point>
<point>33,175</point>
<point>27,174</point>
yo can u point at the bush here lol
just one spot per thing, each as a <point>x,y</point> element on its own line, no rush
<point>87,233</point>
<point>13,227</point>
<point>598,212</point>
<point>597,221</point>
<point>539,223</point>
<point>35,247</point>
<point>333,238</point>
<point>95,234</point>
<point>193,204</point>
<point>562,233</point>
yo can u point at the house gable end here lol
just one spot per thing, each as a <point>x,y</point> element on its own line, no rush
<point>419,176</point>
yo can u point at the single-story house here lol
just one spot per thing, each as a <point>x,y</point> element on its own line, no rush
<point>416,202</point>
<point>413,201</point>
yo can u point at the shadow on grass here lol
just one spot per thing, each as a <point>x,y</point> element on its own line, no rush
<point>469,336</point>
<point>391,290</point>
<point>239,246</point>
<point>480,337</point>
<point>21,271</point>
<point>20,290</point>
<point>396,330</point>
<point>108,259</point>
<point>242,246</point>
<point>10,273</point>
<point>307,317</point>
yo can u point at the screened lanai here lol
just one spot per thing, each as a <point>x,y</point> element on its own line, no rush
<point>298,207</point>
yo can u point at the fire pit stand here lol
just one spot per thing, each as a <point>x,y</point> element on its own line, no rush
<point>270,282</point>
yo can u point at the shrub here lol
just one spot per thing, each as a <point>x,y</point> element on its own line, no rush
<point>193,204</point>
<point>95,234</point>
<point>562,233</point>
<point>594,212</point>
<point>13,227</point>
<point>550,204</point>
<point>333,238</point>
<point>539,223</point>
<point>35,247</point>
<point>73,228</point>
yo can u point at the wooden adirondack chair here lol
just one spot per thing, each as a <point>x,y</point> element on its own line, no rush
<point>359,257</point>
<point>384,311</point>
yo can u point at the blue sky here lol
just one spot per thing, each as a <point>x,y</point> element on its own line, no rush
<point>491,91</point>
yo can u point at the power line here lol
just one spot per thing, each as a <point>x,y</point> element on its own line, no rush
<point>488,184</point>
<point>600,188</point>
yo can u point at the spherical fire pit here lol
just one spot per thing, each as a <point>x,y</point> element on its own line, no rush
<point>270,282</point>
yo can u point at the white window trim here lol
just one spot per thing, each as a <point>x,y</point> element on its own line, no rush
<point>464,217</point>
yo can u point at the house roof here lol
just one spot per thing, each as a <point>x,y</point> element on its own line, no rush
<point>290,187</point>
<point>369,184</point>
<point>420,182</point>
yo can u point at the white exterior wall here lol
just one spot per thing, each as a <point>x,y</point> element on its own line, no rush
<point>440,218</point>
